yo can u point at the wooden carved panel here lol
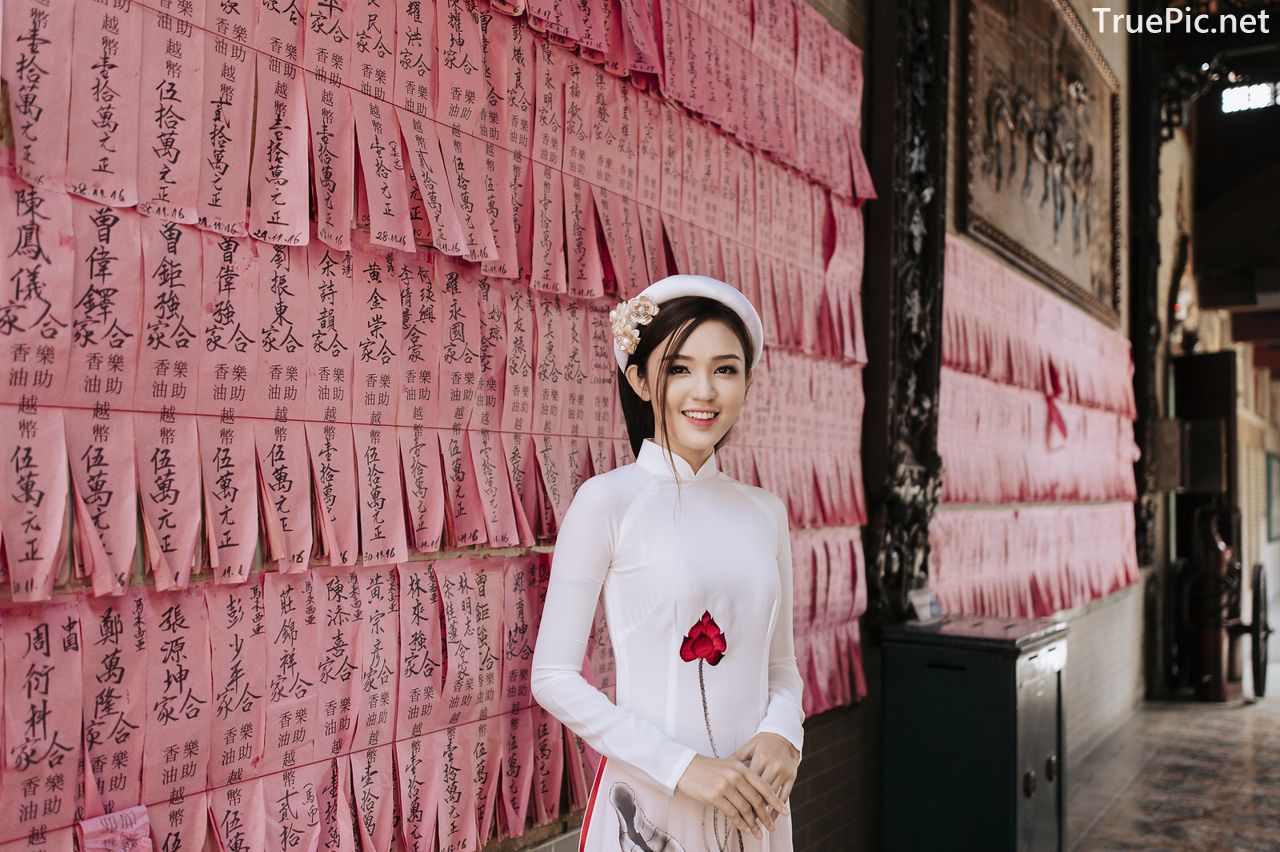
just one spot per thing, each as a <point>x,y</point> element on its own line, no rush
<point>1041,147</point>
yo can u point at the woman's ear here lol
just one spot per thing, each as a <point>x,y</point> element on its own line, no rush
<point>638,383</point>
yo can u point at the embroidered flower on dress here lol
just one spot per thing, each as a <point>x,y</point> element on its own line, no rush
<point>704,642</point>
<point>624,319</point>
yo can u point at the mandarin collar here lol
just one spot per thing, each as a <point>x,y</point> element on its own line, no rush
<point>653,458</point>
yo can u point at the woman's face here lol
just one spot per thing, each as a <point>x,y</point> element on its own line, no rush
<point>706,388</point>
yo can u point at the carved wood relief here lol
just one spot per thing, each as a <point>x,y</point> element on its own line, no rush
<point>1040,147</point>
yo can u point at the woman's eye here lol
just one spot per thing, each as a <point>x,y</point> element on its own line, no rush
<point>678,368</point>
<point>728,370</point>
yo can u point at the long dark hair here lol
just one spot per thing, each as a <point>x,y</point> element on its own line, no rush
<point>675,321</point>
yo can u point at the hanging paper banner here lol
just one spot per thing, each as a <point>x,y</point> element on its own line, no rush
<point>643,52</point>
<point>36,326</point>
<point>460,70</point>
<point>455,744</point>
<point>280,435</point>
<point>421,337</point>
<point>602,371</point>
<point>415,101</point>
<point>42,743</point>
<point>487,458</point>
<point>180,713</point>
<point>127,829</point>
<point>279,195</point>
<point>614,174</point>
<point>585,276</point>
<point>228,369</point>
<point>421,674</point>
<point>515,44</point>
<point>328,59</point>
<point>104,368</point>
<point>548,270</point>
<point>171,85</point>
<point>517,410</point>
<point>341,648</point>
<point>37,65</point>
<point>102,161</point>
<point>574,427</point>
<point>558,20</point>
<point>330,442</point>
<point>495,39</point>
<point>372,755</point>
<point>376,384</point>
<point>291,774</point>
<point>168,376</point>
<point>520,579</point>
<point>649,193</point>
<point>114,631</point>
<point>377,131</point>
<point>488,731</point>
<point>459,374</point>
<point>230,33</point>
<point>238,643</point>
<point>551,447</point>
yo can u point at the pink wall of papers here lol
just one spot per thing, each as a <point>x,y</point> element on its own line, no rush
<point>1035,430</point>
<point>306,351</point>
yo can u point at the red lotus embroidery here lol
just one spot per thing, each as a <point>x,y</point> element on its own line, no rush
<point>704,642</point>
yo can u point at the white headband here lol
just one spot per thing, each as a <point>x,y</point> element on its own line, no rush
<point>640,310</point>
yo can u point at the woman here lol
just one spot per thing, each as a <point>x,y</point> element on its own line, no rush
<point>701,750</point>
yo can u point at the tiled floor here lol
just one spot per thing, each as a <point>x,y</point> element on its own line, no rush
<point>1184,775</point>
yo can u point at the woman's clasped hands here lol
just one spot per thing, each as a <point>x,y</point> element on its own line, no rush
<point>751,786</point>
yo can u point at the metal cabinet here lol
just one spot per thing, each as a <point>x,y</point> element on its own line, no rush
<point>973,754</point>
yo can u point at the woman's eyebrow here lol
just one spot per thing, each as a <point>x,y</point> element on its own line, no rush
<point>714,358</point>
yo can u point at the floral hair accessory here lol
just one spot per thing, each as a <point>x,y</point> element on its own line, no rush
<point>625,318</point>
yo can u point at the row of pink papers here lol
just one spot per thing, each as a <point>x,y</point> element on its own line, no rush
<point>374,678</point>
<point>1000,324</point>
<point>1005,444</point>
<point>400,110</point>
<point>830,595</point>
<point>1030,561</point>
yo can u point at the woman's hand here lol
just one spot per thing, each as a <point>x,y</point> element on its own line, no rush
<point>774,759</point>
<point>730,786</point>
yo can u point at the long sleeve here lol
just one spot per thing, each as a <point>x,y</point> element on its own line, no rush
<point>583,551</point>
<point>785,713</point>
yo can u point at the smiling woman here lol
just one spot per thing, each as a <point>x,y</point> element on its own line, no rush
<point>701,750</point>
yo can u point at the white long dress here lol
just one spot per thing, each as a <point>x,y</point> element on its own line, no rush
<point>706,571</point>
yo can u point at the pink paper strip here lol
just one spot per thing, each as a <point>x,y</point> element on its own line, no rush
<point>341,614</point>
<point>377,130</point>
<point>601,381</point>
<point>292,773</point>
<point>374,408</point>
<point>115,709</point>
<point>127,829</point>
<point>36,318</point>
<point>279,192</point>
<point>280,435</point>
<point>372,754</point>
<point>574,426</point>
<point>549,271</point>
<point>228,369</point>
<point>42,681</point>
<point>495,35</point>
<point>459,374</point>
<point>487,457</point>
<point>421,333</point>
<point>488,732</point>
<point>520,580</point>
<point>102,162</point>
<point>104,369</point>
<point>171,85</point>
<point>515,43</point>
<point>180,712</point>
<point>585,276</point>
<point>230,33</point>
<point>549,392</point>
<point>421,677</point>
<point>168,479</point>
<point>328,52</point>
<point>517,409</point>
<point>37,66</point>
<point>415,101</point>
<point>330,362</point>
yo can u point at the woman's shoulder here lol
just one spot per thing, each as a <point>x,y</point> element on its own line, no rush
<point>610,490</point>
<point>774,505</point>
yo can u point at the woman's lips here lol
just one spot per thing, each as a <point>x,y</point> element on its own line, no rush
<point>701,422</point>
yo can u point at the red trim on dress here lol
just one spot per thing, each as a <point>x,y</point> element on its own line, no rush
<point>591,804</point>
